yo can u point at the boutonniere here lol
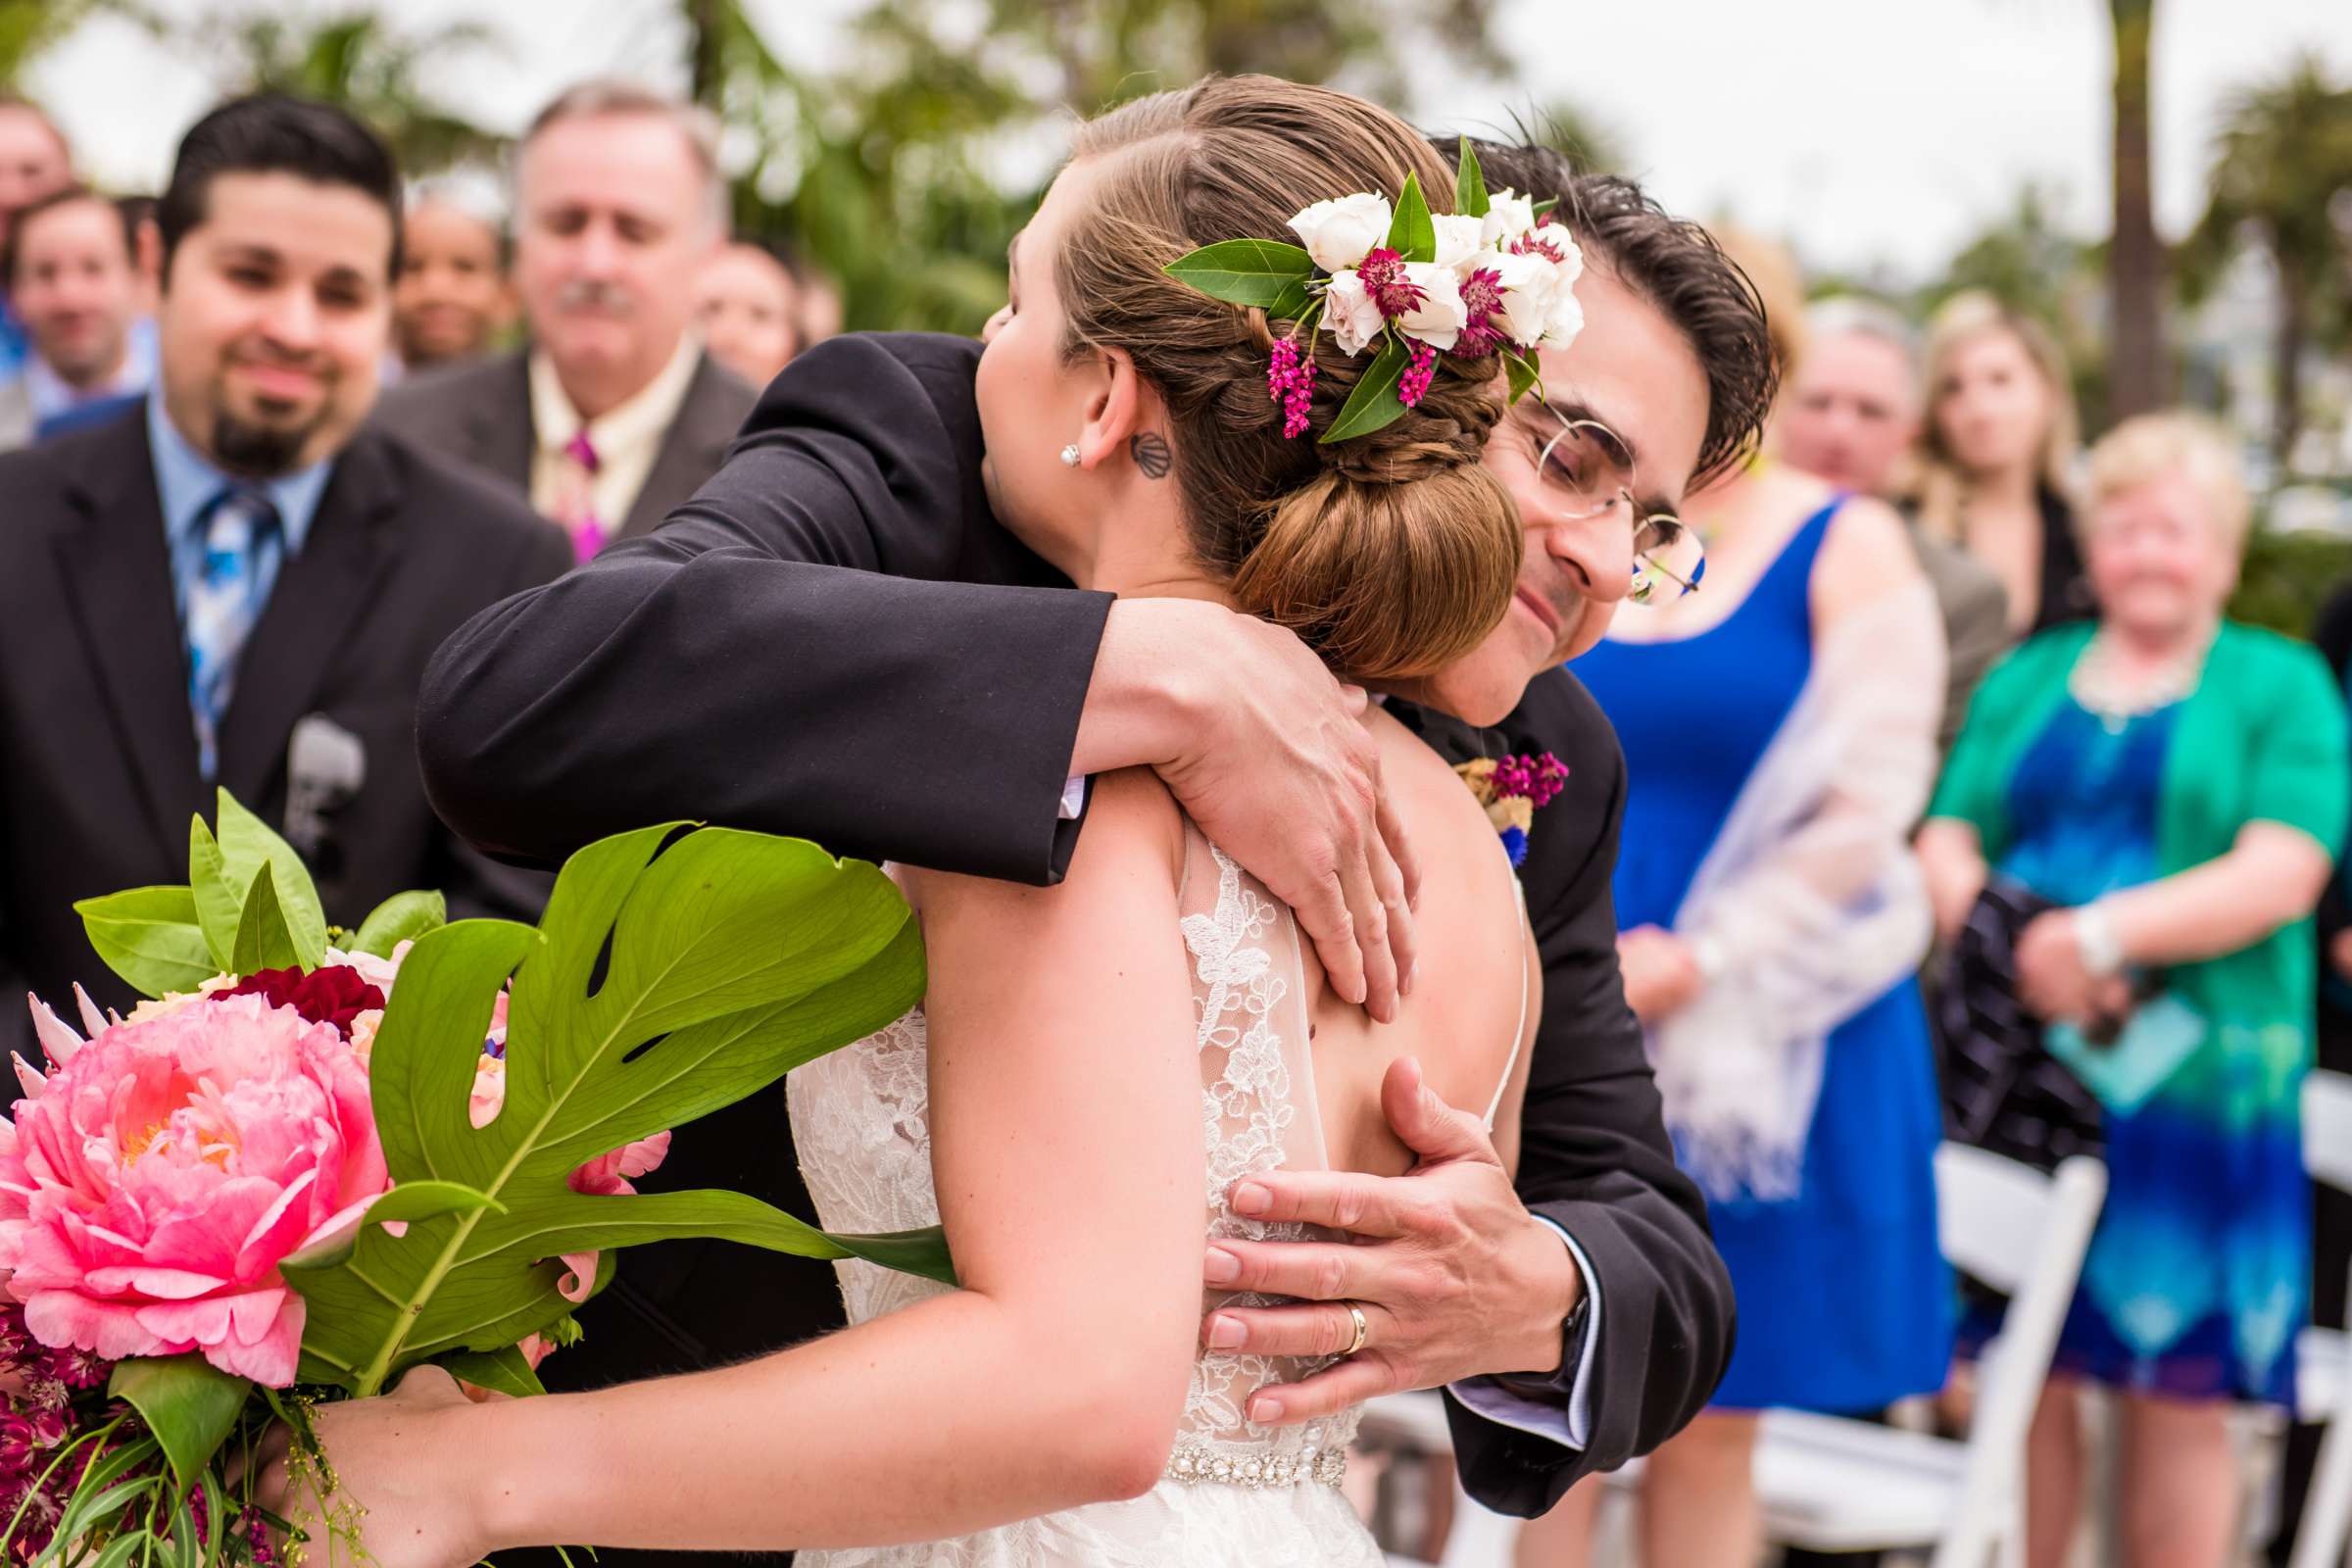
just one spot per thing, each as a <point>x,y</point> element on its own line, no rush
<point>1512,789</point>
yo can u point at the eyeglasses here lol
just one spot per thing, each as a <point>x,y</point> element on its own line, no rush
<point>1585,470</point>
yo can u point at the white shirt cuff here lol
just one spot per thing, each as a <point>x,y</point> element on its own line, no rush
<point>1073,805</point>
<point>1571,1428</point>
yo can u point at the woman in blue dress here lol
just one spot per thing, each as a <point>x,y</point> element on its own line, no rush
<point>1779,730</point>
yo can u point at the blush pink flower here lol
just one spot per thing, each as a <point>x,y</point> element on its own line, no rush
<point>151,1184</point>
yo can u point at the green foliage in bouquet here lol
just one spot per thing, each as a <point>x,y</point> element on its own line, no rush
<point>658,988</point>
<point>677,969</point>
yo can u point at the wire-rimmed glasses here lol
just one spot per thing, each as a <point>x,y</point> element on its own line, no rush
<point>1584,470</point>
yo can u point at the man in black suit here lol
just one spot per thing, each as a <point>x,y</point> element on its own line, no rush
<point>234,584</point>
<point>614,416</point>
<point>837,639</point>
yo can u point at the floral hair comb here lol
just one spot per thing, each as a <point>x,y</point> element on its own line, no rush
<point>1491,277</point>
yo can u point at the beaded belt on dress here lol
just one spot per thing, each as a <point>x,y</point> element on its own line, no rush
<point>1196,1462</point>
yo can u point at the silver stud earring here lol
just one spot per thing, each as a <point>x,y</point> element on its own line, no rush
<point>1070,455</point>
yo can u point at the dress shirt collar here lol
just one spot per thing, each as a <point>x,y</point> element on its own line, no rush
<point>186,482</point>
<point>51,395</point>
<point>638,420</point>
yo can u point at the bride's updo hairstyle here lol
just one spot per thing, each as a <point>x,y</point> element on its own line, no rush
<point>1390,554</point>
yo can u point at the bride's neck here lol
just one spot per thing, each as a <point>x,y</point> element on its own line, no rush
<point>1142,552</point>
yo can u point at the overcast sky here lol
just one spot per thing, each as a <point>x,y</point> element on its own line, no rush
<point>1866,131</point>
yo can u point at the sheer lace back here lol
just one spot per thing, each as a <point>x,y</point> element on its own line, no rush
<point>1259,1112</point>
<point>1235,1493</point>
<point>860,1121</point>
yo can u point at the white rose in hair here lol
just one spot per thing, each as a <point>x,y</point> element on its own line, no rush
<point>1567,318</point>
<point>1351,312</point>
<point>1529,284</point>
<point>1509,214</point>
<point>1336,233</point>
<point>1461,238</point>
<point>1441,316</point>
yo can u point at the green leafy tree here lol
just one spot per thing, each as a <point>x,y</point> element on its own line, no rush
<point>2282,176</point>
<point>906,172</point>
<point>358,58</point>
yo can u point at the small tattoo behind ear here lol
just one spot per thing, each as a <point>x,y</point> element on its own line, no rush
<point>1151,454</point>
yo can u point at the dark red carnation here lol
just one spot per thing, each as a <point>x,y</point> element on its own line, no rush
<point>1382,272</point>
<point>334,994</point>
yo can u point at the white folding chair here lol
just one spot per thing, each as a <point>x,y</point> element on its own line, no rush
<point>1835,1485</point>
<point>2324,1356</point>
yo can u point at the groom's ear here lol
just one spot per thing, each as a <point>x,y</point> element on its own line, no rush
<point>1118,405</point>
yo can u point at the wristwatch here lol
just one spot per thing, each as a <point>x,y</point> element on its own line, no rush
<point>1537,1389</point>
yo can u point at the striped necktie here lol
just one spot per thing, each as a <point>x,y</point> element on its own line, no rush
<point>240,536</point>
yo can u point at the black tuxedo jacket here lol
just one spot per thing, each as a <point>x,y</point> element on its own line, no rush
<point>835,639</point>
<point>480,414</point>
<point>98,777</point>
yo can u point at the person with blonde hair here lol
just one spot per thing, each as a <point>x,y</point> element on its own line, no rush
<point>2129,841</point>
<point>1996,455</point>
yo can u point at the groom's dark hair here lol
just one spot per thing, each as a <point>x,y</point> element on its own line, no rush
<point>271,133</point>
<point>1675,265</point>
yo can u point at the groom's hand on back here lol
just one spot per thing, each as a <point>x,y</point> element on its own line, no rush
<point>1268,753</point>
<point>1455,1277</point>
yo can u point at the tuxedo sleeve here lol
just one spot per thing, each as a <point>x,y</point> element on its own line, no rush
<point>1594,1158</point>
<point>474,884</point>
<point>833,639</point>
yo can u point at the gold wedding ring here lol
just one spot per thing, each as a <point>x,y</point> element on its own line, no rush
<point>1363,1331</point>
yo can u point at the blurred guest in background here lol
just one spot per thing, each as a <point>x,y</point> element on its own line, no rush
<point>1995,456</point>
<point>240,586</point>
<point>72,271</point>
<point>823,312</point>
<point>34,161</point>
<point>147,245</point>
<point>2137,823</point>
<point>453,298</point>
<point>1778,730</point>
<point>2330,1208</point>
<point>749,310</point>
<point>1850,415</point>
<point>614,415</point>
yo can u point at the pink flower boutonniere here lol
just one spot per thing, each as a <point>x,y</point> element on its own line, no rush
<point>1512,789</point>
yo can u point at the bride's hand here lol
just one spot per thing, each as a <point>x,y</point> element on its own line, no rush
<point>387,1457</point>
<point>1268,753</point>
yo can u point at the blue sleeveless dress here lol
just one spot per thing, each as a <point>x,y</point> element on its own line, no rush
<point>1845,1302</point>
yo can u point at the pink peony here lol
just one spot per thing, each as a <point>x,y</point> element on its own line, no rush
<point>152,1184</point>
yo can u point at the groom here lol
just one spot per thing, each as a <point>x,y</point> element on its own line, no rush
<point>835,639</point>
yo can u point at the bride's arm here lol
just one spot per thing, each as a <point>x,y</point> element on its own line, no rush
<point>1067,1143</point>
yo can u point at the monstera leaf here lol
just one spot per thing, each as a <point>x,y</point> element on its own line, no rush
<point>672,975</point>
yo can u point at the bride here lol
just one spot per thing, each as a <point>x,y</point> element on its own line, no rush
<point>1095,1064</point>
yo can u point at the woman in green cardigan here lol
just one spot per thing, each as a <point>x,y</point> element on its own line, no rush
<point>2174,787</point>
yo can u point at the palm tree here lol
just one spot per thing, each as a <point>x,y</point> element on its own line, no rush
<point>2282,174</point>
<point>2138,370</point>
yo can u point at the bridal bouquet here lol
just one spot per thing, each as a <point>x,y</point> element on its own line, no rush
<point>317,1159</point>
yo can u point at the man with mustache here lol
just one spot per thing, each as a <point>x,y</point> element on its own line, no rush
<point>232,583</point>
<point>614,415</point>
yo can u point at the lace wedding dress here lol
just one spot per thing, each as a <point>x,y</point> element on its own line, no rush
<point>1234,1494</point>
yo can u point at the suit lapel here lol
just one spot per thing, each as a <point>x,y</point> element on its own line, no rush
<point>499,427</point>
<point>117,567</point>
<point>316,605</point>
<point>692,449</point>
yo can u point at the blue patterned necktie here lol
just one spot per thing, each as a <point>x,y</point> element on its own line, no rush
<point>239,534</point>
